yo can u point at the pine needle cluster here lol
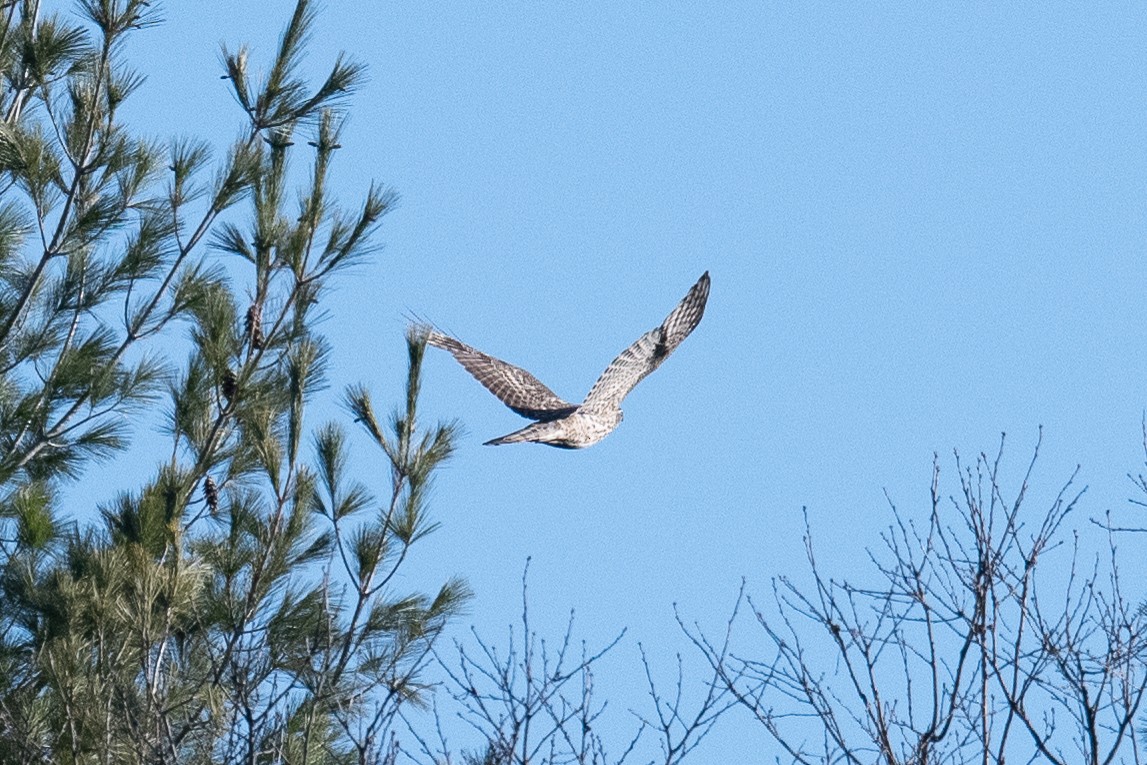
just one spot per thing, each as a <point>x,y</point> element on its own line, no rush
<point>241,605</point>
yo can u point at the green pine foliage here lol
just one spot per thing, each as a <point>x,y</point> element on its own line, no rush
<point>240,605</point>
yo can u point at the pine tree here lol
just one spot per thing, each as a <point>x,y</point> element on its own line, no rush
<point>241,604</point>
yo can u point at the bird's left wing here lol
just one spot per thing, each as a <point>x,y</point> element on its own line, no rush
<point>514,386</point>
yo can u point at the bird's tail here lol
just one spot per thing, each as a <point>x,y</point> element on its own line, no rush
<point>518,436</point>
<point>548,433</point>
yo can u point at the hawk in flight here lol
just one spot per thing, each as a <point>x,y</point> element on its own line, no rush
<point>575,426</point>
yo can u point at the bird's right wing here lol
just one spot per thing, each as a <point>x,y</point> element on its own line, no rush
<point>649,350</point>
<point>514,386</point>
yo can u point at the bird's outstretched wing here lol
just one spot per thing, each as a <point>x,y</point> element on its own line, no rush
<point>514,386</point>
<point>652,348</point>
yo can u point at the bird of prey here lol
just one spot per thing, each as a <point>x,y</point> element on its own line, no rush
<point>575,426</point>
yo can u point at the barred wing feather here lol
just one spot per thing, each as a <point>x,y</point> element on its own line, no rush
<point>514,386</point>
<point>649,351</point>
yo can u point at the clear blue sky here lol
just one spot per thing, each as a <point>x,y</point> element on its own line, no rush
<point>925,225</point>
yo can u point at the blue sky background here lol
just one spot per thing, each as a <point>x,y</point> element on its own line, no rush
<point>925,225</point>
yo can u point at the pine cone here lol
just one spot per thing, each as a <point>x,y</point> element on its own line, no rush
<point>229,385</point>
<point>255,325</point>
<point>211,495</point>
